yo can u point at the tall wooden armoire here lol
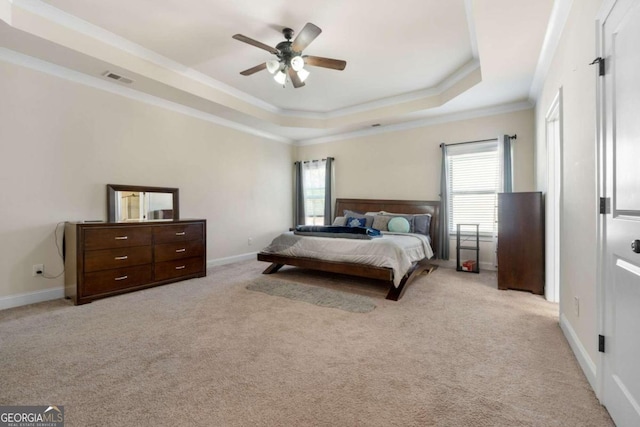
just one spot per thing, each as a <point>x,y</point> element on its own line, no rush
<point>521,242</point>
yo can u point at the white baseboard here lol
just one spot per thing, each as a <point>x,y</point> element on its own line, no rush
<point>18,300</point>
<point>585,362</point>
<point>231,259</point>
<point>450,263</point>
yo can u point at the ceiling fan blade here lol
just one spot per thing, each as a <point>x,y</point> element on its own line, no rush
<point>256,43</point>
<point>305,37</point>
<point>295,79</point>
<point>318,61</point>
<point>255,69</point>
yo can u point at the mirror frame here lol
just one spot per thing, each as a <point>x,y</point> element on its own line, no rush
<point>113,188</point>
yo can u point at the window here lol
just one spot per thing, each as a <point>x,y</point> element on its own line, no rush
<point>474,181</point>
<point>313,182</point>
<point>313,190</point>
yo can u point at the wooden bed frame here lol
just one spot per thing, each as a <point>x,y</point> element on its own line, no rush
<point>367,271</point>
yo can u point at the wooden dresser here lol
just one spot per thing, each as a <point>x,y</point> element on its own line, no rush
<point>521,242</point>
<point>104,259</point>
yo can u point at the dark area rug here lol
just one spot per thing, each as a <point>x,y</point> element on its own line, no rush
<point>312,294</point>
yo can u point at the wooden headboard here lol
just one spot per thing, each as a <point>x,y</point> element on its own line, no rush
<point>396,206</point>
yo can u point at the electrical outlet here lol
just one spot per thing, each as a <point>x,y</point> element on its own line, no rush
<point>250,241</point>
<point>38,270</point>
<point>576,306</point>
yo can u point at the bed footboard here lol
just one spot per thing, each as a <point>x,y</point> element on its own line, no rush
<point>351,269</point>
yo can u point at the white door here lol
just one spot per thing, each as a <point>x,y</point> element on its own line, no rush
<point>621,367</point>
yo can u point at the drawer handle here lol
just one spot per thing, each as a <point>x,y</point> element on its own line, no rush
<point>121,277</point>
<point>181,233</point>
<point>180,267</point>
<point>180,250</point>
<point>122,237</point>
<point>122,257</point>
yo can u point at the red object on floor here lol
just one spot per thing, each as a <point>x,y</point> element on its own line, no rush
<point>469,265</point>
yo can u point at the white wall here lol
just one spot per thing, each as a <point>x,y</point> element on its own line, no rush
<point>406,164</point>
<point>62,142</point>
<point>571,72</point>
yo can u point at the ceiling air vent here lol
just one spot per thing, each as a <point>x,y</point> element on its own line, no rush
<point>117,77</point>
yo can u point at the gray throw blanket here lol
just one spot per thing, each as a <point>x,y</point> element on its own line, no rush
<point>343,232</point>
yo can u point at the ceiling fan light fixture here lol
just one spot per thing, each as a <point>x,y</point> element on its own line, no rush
<point>290,63</point>
<point>297,63</point>
<point>303,74</point>
<point>280,77</point>
<point>273,65</point>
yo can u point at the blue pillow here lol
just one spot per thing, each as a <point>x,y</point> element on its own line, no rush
<point>399,224</point>
<point>355,222</point>
<point>352,214</point>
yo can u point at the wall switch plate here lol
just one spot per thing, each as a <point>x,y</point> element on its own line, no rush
<point>576,306</point>
<point>250,241</point>
<point>38,270</point>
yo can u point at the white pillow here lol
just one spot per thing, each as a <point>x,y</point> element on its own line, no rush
<point>340,221</point>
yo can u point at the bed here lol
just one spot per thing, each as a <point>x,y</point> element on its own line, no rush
<point>397,281</point>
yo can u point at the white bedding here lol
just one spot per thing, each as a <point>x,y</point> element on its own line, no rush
<point>397,251</point>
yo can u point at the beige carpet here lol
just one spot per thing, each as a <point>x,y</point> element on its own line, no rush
<point>208,352</point>
<point>317,295</point>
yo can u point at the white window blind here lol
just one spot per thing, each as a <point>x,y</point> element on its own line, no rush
<point>313,175</point>
<point>473,179</point>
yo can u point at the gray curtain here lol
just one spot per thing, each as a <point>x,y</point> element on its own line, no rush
<point>328,182</point>
<point>442,251</point>
<point>298,203</point>
<point>506,162</point>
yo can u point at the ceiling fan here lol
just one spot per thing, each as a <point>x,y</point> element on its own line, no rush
<point>290,60</point>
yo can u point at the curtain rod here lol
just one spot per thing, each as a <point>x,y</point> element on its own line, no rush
<point>514,136</point>
<point>311,161</point>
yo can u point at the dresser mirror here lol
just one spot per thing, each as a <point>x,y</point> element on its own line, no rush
<point>135,203</point>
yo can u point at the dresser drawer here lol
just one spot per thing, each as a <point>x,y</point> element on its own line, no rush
<point>178,233</point>
<point>106,259</point>
<point>112,280</point>
<point>179,250</point>
<point>116,237</point>
<point>177,268</point>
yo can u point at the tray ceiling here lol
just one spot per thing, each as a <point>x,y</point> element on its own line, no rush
<point>415,60</point>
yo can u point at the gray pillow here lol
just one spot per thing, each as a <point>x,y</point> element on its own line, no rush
<point>352,214</point>
<point>381,222</point>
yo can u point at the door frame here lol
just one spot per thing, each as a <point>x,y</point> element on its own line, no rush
<point>553,198</point>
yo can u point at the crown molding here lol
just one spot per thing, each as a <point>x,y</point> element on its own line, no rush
<point>558,19</point>
<point>468,8</point>
<point>425,99</point>
<point>39,65</point>
<point>450,81</point>
<point>429,121</point>
<point>22,60</point>
<point>83,27</point>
